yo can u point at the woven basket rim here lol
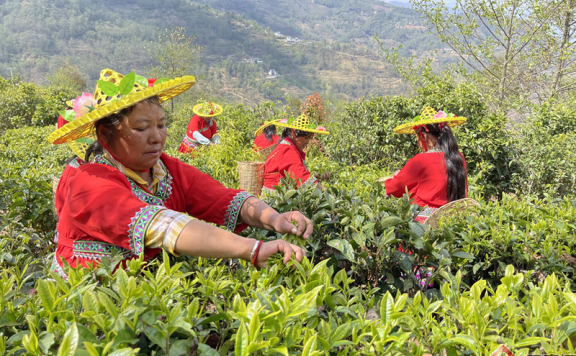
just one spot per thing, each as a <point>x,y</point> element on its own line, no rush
<point>456,205</point>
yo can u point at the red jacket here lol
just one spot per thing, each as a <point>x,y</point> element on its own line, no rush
<point>286,159</point>
<point>101,210</point>
<point>426,179</point>
<point>261,142</point>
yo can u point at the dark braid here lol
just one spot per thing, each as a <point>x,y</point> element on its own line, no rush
<point>110,122</point>
<point>455,170</point>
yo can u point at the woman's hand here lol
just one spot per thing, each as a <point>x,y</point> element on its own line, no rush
<point>282,223</point>
<point>271,247</point>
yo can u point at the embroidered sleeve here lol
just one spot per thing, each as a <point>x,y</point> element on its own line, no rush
<point>311,180</point>
<point>233,211</point>
<point>200,138</point>
<point>165,228</point>
<point>139,226</point>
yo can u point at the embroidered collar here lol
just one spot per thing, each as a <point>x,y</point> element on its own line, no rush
<point>434,150</point>
<point>158,172</point>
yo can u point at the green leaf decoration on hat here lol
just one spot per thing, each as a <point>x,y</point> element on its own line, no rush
<point>291,121</point>
<point>67,115</point>
<point>142,81</point>
<point>125,87</point>
<point>127,83</point>
<point>108,88</point>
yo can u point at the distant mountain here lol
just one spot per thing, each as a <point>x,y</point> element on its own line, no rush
<point>353,21</point>
<point>335,52</point>
<point>400,4</point>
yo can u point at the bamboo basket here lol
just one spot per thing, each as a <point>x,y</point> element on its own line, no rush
<point>251,176</point>
<point>266,152</point>
<point>455,207</point>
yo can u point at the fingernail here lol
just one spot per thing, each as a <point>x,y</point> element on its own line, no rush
<point>307,235</point>
<point>294,231</point>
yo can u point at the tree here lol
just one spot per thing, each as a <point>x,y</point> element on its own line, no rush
<point>313,108</point>
<point>560,48</point>
<point>68,76</point>
<point>175,53</point>
<point>500,40</point>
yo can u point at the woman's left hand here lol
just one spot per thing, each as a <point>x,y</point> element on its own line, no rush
<point>283,224</point>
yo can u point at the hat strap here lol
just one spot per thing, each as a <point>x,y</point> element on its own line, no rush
<point>419,128</point>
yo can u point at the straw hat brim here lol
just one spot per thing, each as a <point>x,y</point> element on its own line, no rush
<point>408,127</point>
<point>281,124</point>
<point>79,148</point>
<point>218,109</point>
<point>84,126</point>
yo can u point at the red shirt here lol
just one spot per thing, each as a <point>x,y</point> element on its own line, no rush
<point>261,142</point>
<point>203,127</point>
<point>199,124</point>
<point>426,178</point>
<point>286,159</point>
<point>101,210</point>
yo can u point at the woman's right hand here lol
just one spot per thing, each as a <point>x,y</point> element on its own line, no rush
<point>271,247</point>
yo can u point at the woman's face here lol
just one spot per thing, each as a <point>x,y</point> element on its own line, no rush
<point>302,141</point>
<point>139,139</point>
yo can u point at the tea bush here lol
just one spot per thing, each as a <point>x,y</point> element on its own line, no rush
<point>502,274</point>
<point>24,104</point>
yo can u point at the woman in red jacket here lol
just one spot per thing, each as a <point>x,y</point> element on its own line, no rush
<point>288,158</point>
<point>438,175</point>
<point>267,138</point>
<point>202,129</point>
<point>131,199</point>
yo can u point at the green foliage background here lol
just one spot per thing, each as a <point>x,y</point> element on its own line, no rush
<point>504,274</point>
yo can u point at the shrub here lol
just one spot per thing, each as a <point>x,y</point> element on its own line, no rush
<point>24,104</point>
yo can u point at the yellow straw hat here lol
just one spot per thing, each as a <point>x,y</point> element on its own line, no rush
<point>430,116</point>
<point>207,109</point>
<point>115,92</point>
<point>302,123</point>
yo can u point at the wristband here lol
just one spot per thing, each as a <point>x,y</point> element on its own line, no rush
<point>255,251</point>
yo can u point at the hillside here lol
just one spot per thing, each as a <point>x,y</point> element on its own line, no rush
<point>336,54</point>
<point>356,21</point>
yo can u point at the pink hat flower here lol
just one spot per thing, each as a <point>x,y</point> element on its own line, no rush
<point>83,104</point>
<point>440,115</point>
<point>283,121</point>
<point>321,128</point>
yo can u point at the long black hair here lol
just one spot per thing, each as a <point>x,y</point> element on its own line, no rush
<point>110,122</point>
<point>455,169</point>
<point>269,133</point>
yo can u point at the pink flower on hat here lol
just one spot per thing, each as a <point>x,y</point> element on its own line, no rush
<point>283,121</point>
<point>83,104</point>
<point>440,115</point>
<point>321,128</point>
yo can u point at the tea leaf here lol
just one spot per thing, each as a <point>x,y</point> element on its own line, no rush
<point>69,342</point>
<point>241,345</point>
